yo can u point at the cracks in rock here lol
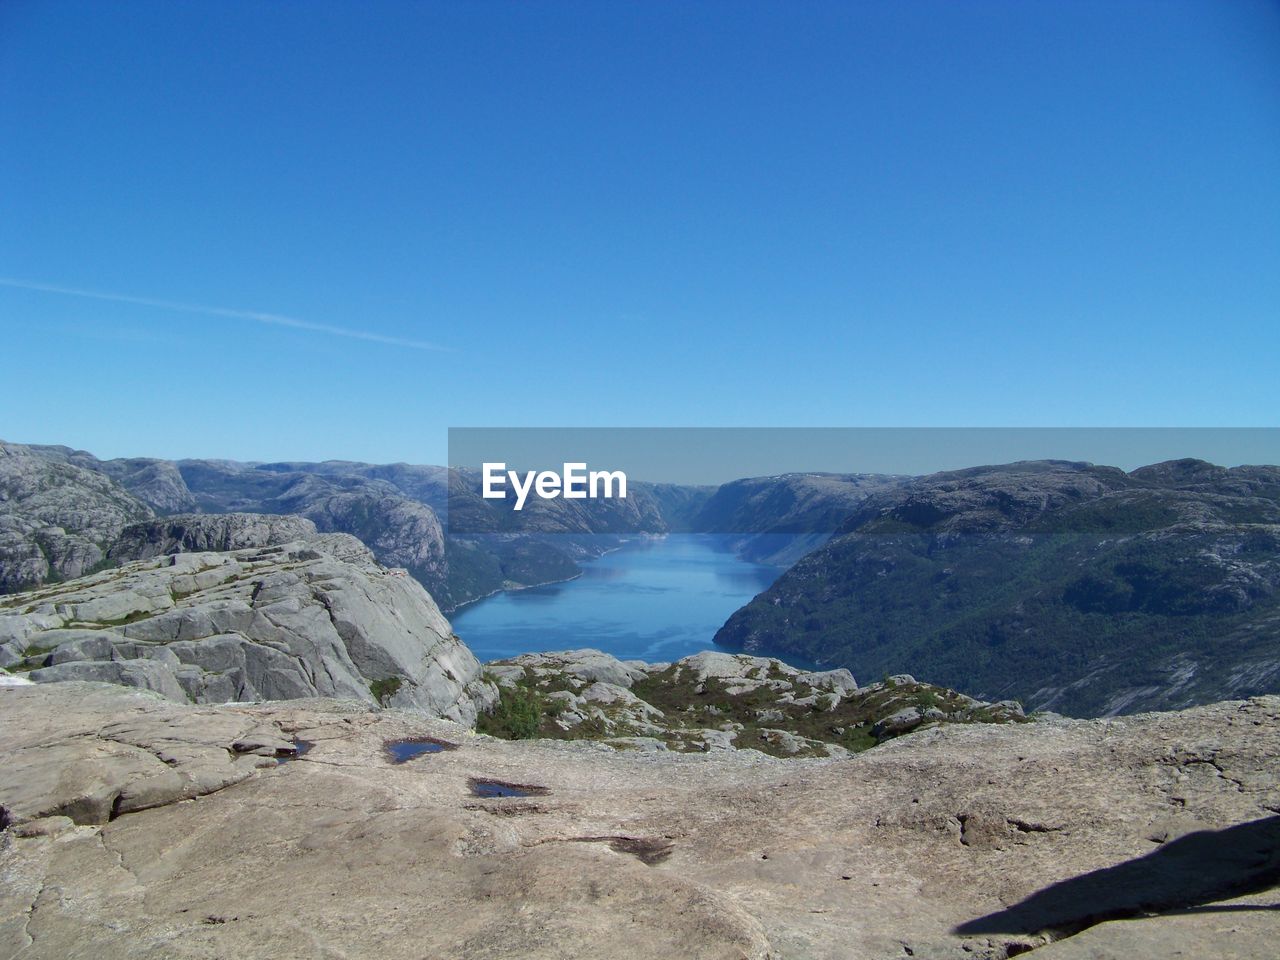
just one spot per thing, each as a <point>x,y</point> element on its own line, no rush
<point>508,809</point>
<point>30,915</point>
<point>118,856</point>
<point>323,599</point>
<point>329,763</point>
<point>1212,761</point>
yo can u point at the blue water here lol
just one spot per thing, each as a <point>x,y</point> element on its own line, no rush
<point>651,600</point>
<point>402,751</point>
<point>496,788</point>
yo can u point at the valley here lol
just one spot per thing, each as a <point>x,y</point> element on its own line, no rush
<point>1037,581</point>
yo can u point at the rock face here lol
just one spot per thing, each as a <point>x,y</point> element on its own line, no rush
<point>57,519</point>
<point>157,483</point>
<point>1145,837</point>
<point>198,532</point>
<point>718,701</point>
<point>308,618</point>
<point>147,754</point>
<point>1072,587</point>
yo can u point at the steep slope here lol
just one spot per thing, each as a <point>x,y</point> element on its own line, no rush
<point>1068,586</point>
<point>203,532</point>
<point>310,618</point>
<point>779,519</point>
<point>57,519</point>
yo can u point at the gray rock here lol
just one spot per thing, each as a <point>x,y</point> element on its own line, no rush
<point>57,519</point>
<point>586,666</point>
<point>1145,838</point>
<point>207,532</point>
<point>144,674</point>
<point>86,765</point>
<point>908,718</point>
<point>315,617</point>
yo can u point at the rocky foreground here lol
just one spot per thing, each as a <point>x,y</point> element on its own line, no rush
<point>139,827</point>
<point>715,701</point>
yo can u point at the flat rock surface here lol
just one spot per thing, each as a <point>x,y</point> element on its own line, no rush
<point>1150,836</point>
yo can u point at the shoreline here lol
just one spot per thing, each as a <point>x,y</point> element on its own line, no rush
<point>547,583</point>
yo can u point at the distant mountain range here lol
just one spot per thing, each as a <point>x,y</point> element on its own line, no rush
<point>61,510</point>
<point>1072,587</point>
<point>1069,586</point>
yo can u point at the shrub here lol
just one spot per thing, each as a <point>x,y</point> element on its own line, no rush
<point>517,715</point>
<point>384,690</point>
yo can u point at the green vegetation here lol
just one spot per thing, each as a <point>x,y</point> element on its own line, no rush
<point>767,716</point>
<point>383,690</point>
<point>100,566</point>
<point>1114,589</point>
<point>519,714</point>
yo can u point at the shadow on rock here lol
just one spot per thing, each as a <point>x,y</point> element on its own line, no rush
<point>1180,876</point>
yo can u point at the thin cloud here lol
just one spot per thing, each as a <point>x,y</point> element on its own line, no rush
<point>273,319</point>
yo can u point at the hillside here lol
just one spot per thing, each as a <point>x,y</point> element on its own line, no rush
<point>61,510</point>
<point>717,701</point>
<point>399,511</point>
<point>57,519</point>
<point>1068,586</point>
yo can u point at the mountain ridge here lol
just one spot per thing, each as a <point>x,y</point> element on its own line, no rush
<point>1069,586</point>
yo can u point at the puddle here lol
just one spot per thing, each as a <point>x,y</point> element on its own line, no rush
<point>300,747</point>
<point>401,751</point>
<point>490,789</point>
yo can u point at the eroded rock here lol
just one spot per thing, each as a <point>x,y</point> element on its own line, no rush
<point>314,617</point>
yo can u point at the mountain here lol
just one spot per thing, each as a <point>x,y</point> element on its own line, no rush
<point>310,617</point>
<point>1068,586</point>
<point>778,519</point>
<point>57,518</point>
<point>61,510</point>
<point>397,510</point>
<point>199,532</point>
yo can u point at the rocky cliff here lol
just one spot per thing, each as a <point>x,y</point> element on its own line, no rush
<point>136,827</point>
<point>57,519</point>
<point>196,532</point>
<point>779,519</point>
<point>1068,586</point>
<point>309,618</point>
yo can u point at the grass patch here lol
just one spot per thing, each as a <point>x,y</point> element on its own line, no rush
<point>518,715</point>
<point>383,690</point>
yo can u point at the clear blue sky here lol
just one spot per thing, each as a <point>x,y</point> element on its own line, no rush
<point>642,214</point>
